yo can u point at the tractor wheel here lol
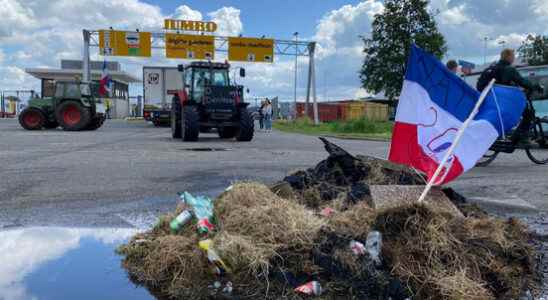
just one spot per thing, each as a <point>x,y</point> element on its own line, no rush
<point>95,123</point>
<point>245,131</point>
<point>175,118</point>
<point>51,124</point>
<point>72,116</point>
<point>32,118</point>
<point>190,127</point>
<point>227,132</point>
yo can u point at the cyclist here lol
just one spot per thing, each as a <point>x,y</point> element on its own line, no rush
<point>505,73</point>
<point>452,66</point>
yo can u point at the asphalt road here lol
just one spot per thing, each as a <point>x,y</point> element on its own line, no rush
<point>126,173</point>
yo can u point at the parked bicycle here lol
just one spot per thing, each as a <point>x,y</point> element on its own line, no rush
<point>536,149</point>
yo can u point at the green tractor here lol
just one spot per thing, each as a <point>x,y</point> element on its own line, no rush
<point>73,108</point>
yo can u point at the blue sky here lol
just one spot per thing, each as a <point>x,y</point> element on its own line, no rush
<point>278,19</point>
<point>38,33</point>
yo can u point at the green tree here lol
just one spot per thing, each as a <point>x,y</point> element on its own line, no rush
<point>534,50</point>
<point>401,23</point>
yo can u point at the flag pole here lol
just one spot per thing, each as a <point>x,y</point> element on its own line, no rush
<point>456,140</point>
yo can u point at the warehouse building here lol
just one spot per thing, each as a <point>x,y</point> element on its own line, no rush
<point>118,101</point>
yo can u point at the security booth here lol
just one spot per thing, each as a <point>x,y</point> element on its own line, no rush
<point>117,102</point>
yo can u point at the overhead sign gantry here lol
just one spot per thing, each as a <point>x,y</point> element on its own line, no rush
<point>178,43</point>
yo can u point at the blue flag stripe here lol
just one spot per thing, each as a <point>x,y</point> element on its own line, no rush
<point>453,95</point>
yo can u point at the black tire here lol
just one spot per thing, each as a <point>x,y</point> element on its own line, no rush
<point>487,158</point>
<point>72,116</point>
<point>227,132</point>
<point>51,124</point>
<point>32,118</point>
<point>96,123</point>
<point>246,128</point>
<point>190,126</point>
<point>539,155</point>
<point>175,118</point>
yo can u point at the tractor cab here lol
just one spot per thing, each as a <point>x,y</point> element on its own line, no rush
<point>74,90</point>
<point>210,100</point>
<point>199,78</point>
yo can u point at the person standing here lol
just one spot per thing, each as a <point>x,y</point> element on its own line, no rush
<point>261,116</point>
<point>267,112</point>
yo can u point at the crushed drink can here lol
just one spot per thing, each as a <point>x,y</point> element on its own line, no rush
<point>312,288</point>
<point>327,212</point>
<point>205,226</point>
<point>228,288</point>
<point>218,264</point>
<point>179,221</point>
<point>357,247</point>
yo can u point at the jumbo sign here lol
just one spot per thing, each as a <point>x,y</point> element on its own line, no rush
<point>171,24</point>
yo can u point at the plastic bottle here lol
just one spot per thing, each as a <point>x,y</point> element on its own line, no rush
<point>179,221</point>
<point>373,245</point>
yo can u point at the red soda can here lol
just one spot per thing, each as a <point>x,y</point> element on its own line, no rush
<point>204,226</point>
<point>327,212</point>
<point>312,288</point>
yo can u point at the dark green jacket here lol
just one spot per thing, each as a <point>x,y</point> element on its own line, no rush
<point>506,74</point>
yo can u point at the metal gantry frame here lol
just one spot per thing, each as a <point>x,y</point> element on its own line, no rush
<point>281,47</point>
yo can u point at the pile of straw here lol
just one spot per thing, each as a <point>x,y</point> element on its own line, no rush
<point>275,239</point>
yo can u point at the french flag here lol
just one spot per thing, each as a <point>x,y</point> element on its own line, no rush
<point>433,105</point>
<point>105,82</point>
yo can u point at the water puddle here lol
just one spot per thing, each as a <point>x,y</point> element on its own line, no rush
<point>64,263</point>
<point>206,149</point>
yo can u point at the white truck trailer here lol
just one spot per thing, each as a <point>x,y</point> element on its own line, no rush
<point>159,86</point>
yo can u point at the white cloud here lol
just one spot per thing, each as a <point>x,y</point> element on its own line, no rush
<point>228,21</point>
<point>25,250</point>
<point>512,40</point>
<point>454,15</point>
<point>15,16</point>
<point>184,12</point>
<point>465,23</point>
<point>341,28</point>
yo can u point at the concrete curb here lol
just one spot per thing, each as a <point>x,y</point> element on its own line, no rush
<point>510,204</point>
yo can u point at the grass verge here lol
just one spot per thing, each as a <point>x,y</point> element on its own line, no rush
<point>358,129</point>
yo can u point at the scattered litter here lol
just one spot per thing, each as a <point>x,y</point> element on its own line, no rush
<point>357,247</point>
<point>220,267</point>
<point>228,288</point>
<point>202,207</point>
<point>373,245</point>
<point>327,212</point>
<point>181,220</point>
<point>320,225</point>
<point>312,288</point>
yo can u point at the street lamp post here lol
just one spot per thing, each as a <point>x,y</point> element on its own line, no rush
<point>485,39</point>
<point>296,34</point>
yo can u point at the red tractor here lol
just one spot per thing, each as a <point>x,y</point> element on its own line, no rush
<point>208,100</point>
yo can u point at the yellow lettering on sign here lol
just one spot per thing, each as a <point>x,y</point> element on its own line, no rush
<point>250,49</point>
<point>188,46</point>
